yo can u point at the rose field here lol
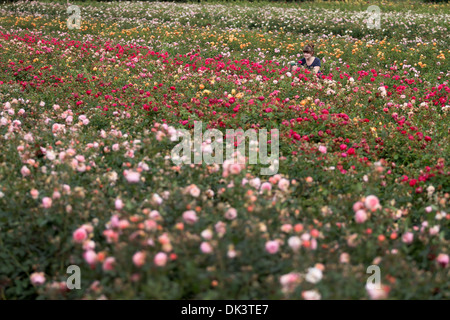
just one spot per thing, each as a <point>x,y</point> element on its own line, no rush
<point>89,117</point>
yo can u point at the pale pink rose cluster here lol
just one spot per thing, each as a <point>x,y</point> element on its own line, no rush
<point>117,223</point>
<point>90,256</point>
<point>118,203</point>
<point>375,292</point>
<point>311,295</point>
<point>83,119</point>
<point>156,199</point>
<point>193,190</point>
<point>295,243</point>
<point>25,171</point>
<point>206,247</point>
<point>221,228</point>
<point>231,214</point>
<point>207,234</point>
<point>78,163</point>
<point>140,257</point>
<point>371,204</point>
<point>160,259</point>
<point>272,246</point>
<point>255,182</point>
<point>37,278</point>
<point>408,237</point>
<point>290,281</point>
<point>34,193</point>
<point>190,217</point>
<point>283,184</point>
<point>163,130</point>
<point>58,128</point>
<point>132,176</point>
<point>275,179</point>
<point>233,166</point>
<point>47,202</point>
<point>265,186</point>
<point>314,275</point>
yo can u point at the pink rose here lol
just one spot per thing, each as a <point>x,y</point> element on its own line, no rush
<point>79,235</point>
<point>272,247</point>
<point>25,171</point>
<point>360,216</point>
<point>313,244</point>
<point>231,214</point>
<point>266,186</point>
<point>132,176</point>
<point>221,228</point>
<point>160,259</point>
<point>34,194</point>
<point>295,243</point>
<point>408,237</point>
<point>47,202</point>
<point>283,184</point>
<point>286,227</point>
<point>376,293</point>
<point>108,264</point>
<point>323,149</point>
<point>207,234</point>
<point>139,259</point>
<point>290,281</point>
<point>206,248</point>
<point>235,168</point>
<point>442,259</point>
<point>358,205</point>
<point>37,278</point>
<point>118,204</point>
<point>434,230</point>
<point>344,258</point>
<point>194,191</point>
<point>311,295</point>
<point>90,257</point>
<point>154,214</point>
<point>190,217</point>
<point>372,202</point>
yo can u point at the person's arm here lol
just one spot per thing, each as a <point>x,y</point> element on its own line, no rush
<point>317,65</point>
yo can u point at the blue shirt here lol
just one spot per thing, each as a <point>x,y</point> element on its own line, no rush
<point>316,63</point>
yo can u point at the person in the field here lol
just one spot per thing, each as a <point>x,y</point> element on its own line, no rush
<point>309,61</point>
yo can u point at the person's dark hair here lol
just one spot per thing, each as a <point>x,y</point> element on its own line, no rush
<point>309,48</point>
